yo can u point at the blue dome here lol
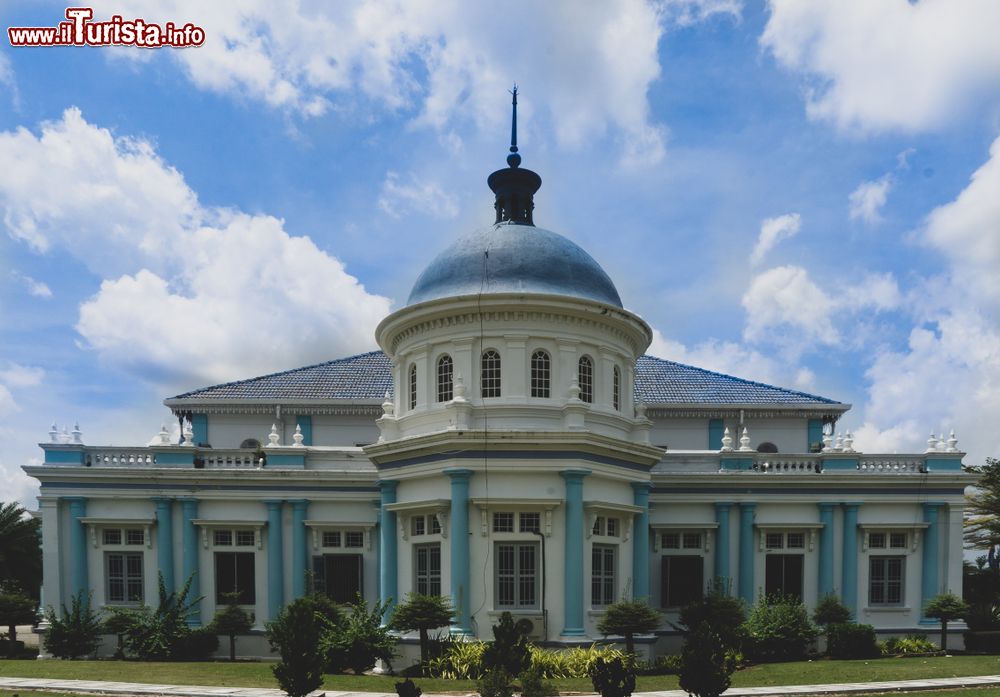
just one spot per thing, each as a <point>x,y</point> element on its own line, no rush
<point>512,258</point>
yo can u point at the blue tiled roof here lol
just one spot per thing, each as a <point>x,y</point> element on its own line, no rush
<point>659,381</point>
<point>368,377</point>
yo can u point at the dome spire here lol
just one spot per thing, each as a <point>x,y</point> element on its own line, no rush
<point>514,187</point>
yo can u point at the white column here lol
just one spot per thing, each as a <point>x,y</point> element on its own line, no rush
<point>515,368</point>
<point>51,552</point>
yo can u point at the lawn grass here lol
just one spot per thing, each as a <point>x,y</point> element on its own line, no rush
<point>248,674</point>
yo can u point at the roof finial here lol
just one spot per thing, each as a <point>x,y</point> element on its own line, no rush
<point>513,159</point>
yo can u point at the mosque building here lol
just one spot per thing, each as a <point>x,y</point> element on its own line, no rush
<point>510,446</point>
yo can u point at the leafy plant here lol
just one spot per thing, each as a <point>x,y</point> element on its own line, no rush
<point>628,618</point>
<point>231,621</point>
<point>851,640</point>
<point>574,662</point>
<point>20,550</point>
<point>118,622</point>
<point>408,688</point>
<point>706,665</point>
<point>460,660</point>
<point>301,636</point>
<point>495,683</point>
<point>946,607</point>
<point>723,613</point>
<point>533,683</point>
<point>613,678</point>
<point>829,610</point>
<point>509,649</point>
<point>422,613</point>
<point>778,629</point>
<point>362,639</point>
<point>74,633</point>
<point>908,645</point>
<point>161,633</point>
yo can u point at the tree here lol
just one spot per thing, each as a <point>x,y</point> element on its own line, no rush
<point>161,633</point>
<point>422,613</point>
<point>231,621</point>
<point>982,522</point>
<point>15,608</point>
<point>301,635</point>
<point>628,618</point>
<point>20,549</point>
<point>946,607</point>
<point>829,610</point>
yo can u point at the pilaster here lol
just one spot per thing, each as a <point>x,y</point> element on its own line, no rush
<point>573,575</point>
<point>459,540</point>
<point>746,551</point>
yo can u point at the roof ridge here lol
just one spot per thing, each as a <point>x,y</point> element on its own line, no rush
<point>746,381</point>
<point>275,374</point>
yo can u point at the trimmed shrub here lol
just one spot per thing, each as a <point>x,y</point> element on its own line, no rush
<point>509,649</point>
<point>845,640</point>
<point>723,613</point>
<point>533,683</point>
<point>232,620</point>
<point>627,618</point>
<point>613,678</point>
<point>495,683</point>
<point>987,641</point>
<point>300,634</point>
<point>408,688</point>
<point>829,610</point>
<point>778,629</point>
<point>706,665</point>
<point>945,608</point>
<point>422,613</point>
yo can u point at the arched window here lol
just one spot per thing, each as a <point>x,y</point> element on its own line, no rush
<point>250,443</point>
<point>490,375</point>
<point>616,390</point>
<point>413,387</point>
<point>767,448</point>
<point>445,384</point>
<point>585,376</point>
<point>541,372</point>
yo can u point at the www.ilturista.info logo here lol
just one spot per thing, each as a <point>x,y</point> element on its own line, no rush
<point>81,31</point>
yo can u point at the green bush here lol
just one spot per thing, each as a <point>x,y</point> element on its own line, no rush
<point>946,607</point>
<point>362,639</point>
<point>15,608</point>
<point>613,678</point>
<point>198,645</point>
<point>509,649</point>
<point>232,620</point>
<point>301,636</point>
<point>661,665</point>
<point>575,662</point>
<point>778,629</point>
<point>908,645</point>
<point>408,688</point>
<point>162,633</point>
<point>459,660</point>
<point>74,633</point>
<point>723,613</point>
<point>829,610</point>
<point>495,683</point>
<point>533,683</point>
<point>627,618</point>
<point>845,640</point>
<point>706,665</point>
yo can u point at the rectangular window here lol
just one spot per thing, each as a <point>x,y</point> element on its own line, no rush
<point>897,540</point>
<point>876,540</point>
<point>682,580</point>
<point>671,540</point>
<point>427,571</point>
<point>417,525</point>
<point>112,536</point>
<point>354,538</point>
<point>529,522</point>
<point>123,571</point>
<point>135,536</point>
<point>795,540</point>
<point>435,525</point>
<point>331,538</point>
<point>613,527</point>
<point>517,575</point>
<point>246,538</point>
<point>885,580</point>
<point>692,540</point>
<point>783,575</point>
<point>222,538</point>
<point>598,526</point>
<point>234,573</point>
<point>774,540</point>
<point>602,575</point>
<point>338,576</point>
<point>503,522</point>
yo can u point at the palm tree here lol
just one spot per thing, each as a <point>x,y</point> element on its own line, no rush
<point>20,548</point>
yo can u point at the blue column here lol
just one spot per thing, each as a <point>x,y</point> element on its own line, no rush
<point>275,558</point>
<point>849,561</point>
<point>814,434</point>
<point>189,556</point>
<point>460,588</point>
<point>573,574</point>
<point>165,540</point>
<point>723,580</point>
<point>640,541</point>
<point>305,422</point>
<point>300,549</point>
<point>716,429</point>
<point>79,582</point>
<point>199,429</point>
<point>387,547</point>
<point>826,549</point>
<point>746,551</point>
<point>929,584</point>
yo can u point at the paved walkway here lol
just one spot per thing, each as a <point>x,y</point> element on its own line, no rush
<point>128,688</point>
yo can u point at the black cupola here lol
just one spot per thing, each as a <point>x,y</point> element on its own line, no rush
<point>514,187</point>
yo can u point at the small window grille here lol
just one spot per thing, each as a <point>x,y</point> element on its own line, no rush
<point>540,374</point>
<point>503,522</point>
<point>445,374</point>
<point>331,539</point>
<point>491,374</point>
<point>586,379</point>
<point>413,387</point>
<point>529,522</point>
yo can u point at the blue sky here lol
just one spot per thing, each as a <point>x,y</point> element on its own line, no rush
<point>799,193</point>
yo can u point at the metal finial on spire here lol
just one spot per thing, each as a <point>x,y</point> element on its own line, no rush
<point>513,159</point>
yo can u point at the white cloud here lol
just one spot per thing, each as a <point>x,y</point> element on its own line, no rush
<point>684,13</point>
<point>784,301</point>
<point>15,375</point>
<point>7,404</point>
<point>17,486</point>
<point>37,288</point>
<point>6,71</point>
<point>878,292</point>
<point>773,231</point>
<point>193,294</point>
<point>447,62</point>
<point>421,197</point>
<point>866,201</point>
<point>889,64</point>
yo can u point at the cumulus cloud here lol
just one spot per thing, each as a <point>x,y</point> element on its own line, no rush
<point>7,404</point>
<point>444,62</point>
<point>16,375</point>
<point>888,65</point>
<point>773,231</point>
<point>416,196</point>
<point>192,294</point>
<point>866,201</point>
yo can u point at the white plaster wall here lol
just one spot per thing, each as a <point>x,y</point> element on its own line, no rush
<point>680,434</point>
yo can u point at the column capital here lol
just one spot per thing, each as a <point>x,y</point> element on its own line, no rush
<point>387,484</point>
<point>748,505</point>
<point>723,505</point>
<point>928,505</point>
<point>826,506</point>
<point>162,500</point>
<point>851,505</point>
<point>642,487</point>
<point>574,475</point>
<point>273,503</point>
<point>298,503</point>
<point>457,473</point>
